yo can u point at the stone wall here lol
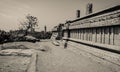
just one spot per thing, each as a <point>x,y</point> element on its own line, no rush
<point>105,35</point>
<point>102,28</point>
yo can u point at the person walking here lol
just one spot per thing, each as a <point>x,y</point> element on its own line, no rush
<point>65,45</point>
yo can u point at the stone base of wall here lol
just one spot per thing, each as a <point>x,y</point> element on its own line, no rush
<point>111,48</point>
<point>103,54</point>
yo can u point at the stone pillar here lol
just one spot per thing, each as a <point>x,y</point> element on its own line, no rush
<point>87,33</point>
<point>106,35</point>
<point>117,35</point>
<point>90,34</point>
<point>76,34</point>
<point>111,36</point>
<point>103,35</point>
<point>80,33</point>
<point>73,34</point>
<point>82,36</point>
<point>99,35</point>
<point>94,35</point>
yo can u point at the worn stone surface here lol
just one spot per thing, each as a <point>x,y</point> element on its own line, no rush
<point>13,63</point>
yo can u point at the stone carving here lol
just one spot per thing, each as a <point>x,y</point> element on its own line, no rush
<point>101,20</point>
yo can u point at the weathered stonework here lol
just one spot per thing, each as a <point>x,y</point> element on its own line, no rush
<point>108,19</point>
<point>100,29</point>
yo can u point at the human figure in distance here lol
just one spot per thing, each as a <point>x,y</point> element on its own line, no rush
<point>65,45</point>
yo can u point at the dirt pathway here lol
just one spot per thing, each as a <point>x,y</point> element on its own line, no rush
<point>56,59</point>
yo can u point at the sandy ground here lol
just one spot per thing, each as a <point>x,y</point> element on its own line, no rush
<point>57,59</point>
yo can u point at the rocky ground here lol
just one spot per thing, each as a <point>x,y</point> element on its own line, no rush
<point>13,63</point>
<point>15,57</point>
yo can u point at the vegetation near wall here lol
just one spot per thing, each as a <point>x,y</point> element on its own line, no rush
<point>18,35</point>
<point>41,35</point>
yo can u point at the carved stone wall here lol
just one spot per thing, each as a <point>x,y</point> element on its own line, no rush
<point>108,19</point>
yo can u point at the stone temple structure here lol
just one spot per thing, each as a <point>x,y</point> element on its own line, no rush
<point>101,30</point>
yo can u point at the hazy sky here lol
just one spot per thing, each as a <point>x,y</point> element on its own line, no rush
<point>49,12</point>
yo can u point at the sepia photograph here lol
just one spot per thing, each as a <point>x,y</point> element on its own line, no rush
<point>59,35</point>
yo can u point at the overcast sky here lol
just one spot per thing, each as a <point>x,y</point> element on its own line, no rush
<point>49,12</point>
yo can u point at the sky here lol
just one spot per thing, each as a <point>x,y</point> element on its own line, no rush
<point>49,12</point>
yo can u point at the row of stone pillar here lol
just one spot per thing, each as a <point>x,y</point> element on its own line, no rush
<point>104,35</point>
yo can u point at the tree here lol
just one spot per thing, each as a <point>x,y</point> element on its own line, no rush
<point>29,24</point>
